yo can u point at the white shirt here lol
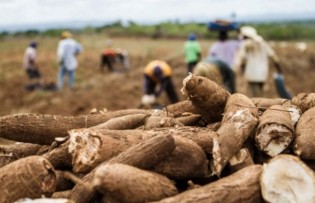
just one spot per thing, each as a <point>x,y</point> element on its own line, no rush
<point>225,50</point>
<point>29,55</point>
<point>255,55</point>
<point>67,51</point>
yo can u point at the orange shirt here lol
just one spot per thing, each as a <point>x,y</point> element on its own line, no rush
<point>149,69</point>
<point>109,52</point>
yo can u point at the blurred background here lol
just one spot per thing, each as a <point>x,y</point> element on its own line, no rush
<point>147,30</point>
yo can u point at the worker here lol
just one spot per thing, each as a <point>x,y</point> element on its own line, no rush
<point>67,51</point>
<point>218,71</point>
<point>158,73</point>
<point>224,48</point>
<point>252,60</point>
<point>111,55</point>
<point>31,67</point>
<point>192,51</point>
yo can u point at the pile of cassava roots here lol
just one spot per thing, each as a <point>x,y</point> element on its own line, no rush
<point>212,147</point>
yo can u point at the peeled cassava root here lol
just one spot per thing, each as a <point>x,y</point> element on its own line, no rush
<point>275,131</point>
<point>123,183</point>
<point>29,177</point>
<point>208,97</point>
<point>242,186</point>
<point>285,178</point>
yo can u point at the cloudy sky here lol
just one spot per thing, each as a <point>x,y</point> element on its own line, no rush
<point>17,12</point>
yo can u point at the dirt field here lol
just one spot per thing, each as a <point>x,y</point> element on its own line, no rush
<point>119,90</point>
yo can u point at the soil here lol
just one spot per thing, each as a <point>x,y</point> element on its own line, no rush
<point>122,89</point>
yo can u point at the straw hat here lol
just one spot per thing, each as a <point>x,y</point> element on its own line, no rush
<point>66,34</point>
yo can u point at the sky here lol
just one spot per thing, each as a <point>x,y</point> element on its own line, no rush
<point>28,12</point>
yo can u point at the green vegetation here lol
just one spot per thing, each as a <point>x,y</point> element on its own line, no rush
<point>295,30</point>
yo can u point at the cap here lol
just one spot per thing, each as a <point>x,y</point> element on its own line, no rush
<point>33,44</point>
<point>192,37</point>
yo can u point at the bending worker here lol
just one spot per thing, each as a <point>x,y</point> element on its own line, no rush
<point>158,73</point>
<point>217,71</point>
<point>110,55</point>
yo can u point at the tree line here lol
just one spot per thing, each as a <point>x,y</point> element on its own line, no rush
<point>289,30</point>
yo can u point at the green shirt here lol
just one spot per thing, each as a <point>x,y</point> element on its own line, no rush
<point>192,51</point>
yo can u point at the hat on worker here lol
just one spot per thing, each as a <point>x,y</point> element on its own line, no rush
<point>192,37</point>
<point>33,44</point>
<point>248,31</point>
<point>66,34</point>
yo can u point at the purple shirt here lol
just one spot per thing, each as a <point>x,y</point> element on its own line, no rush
<point>225,51</point>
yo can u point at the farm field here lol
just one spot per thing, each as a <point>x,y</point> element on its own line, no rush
<point>120,90</point>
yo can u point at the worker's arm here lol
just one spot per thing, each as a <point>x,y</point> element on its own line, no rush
<point>278,67</point>
<point>163,85</point>
<point>275,59</point>
<point>60,53</point>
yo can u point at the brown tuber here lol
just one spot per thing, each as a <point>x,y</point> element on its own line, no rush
<point>128,184</point>
<point>304,144</point>
<point>29,177</point>
<point>238,124</point>
<point>242,186</point>
<point>208,97</point>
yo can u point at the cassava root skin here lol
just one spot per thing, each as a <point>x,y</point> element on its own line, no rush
<point>179,108</point>
<point>304,101</point>
<point>242,186</point>
<point>29,177</point>
<point>90,147</point>
<point>139,155</point>
<point>208,97</point>
<point>43,128</point>
<point>123,122</point>
<point>60,157</point>
<point>188,160</point>
<point>12,152</point>
<point>304,144</point>
<point>128,184</point>
<point>237,125</point>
